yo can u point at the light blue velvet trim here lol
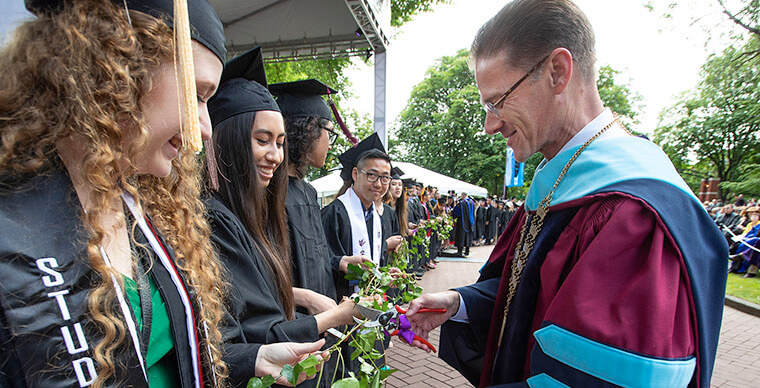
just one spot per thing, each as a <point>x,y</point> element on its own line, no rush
<point>544,381</point>
<point>604,162</point>
<point>613,365</point>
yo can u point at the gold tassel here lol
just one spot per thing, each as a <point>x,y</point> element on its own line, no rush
<point>191,131</point>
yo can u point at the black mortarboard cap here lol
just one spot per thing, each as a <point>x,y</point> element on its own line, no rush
<point>302,98</point>
<point>205,26</point>
<point>408,182</point>
<point>242,88</point>
<point>350,158</point>
<point>396,173</point>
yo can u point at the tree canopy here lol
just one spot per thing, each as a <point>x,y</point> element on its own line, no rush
<point>719,122</point>
<point>618,96</point>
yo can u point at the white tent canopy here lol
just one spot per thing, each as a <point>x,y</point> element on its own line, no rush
<point>330,184</point>
<point>444,183</point>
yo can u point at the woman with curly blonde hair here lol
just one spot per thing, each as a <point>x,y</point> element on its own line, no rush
<point>107,276</point>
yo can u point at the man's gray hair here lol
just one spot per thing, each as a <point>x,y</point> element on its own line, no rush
<point>527,30</point>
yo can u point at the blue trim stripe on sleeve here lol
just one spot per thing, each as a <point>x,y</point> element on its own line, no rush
<point>611,364</point>
<point>544,381</point>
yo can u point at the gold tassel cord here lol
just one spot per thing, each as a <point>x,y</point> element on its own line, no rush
<point>191,127</point>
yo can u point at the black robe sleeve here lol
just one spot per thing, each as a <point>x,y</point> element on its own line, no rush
<point>411,212</point>
<point>253,299</point>
<point>395,226</point>
<point>338,236</point>
<point>311,257</point>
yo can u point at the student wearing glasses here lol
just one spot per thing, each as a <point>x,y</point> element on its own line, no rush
<point>352,226</point>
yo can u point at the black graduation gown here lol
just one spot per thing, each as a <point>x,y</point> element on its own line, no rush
<point>480,222</point>
<point>504,217</point>
<point>391,227</point>
<point>339,239</point>
<point>253,297</point>
<point>312,259</point>
<point>491,217</point>
<point>45,278</point>
<point>463,226</point>
<point>412,214</point>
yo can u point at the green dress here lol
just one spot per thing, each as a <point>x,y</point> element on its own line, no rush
<point>160,361</point>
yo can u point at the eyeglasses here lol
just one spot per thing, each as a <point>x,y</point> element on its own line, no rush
<point>372,177</point>
<point>331,134</point>
<point>490,107</point>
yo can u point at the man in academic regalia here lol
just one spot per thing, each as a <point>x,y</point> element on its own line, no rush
<point>612,273</point>
<point>352,226</point>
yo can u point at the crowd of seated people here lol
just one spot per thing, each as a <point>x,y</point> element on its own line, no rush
<point>740,223</point>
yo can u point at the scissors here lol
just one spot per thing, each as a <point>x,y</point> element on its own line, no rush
<point>394,322</point>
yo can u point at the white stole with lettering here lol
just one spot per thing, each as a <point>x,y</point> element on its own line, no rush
<point>359,235</point>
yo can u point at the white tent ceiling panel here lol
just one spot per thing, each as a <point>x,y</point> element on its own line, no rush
<point>292,29</point>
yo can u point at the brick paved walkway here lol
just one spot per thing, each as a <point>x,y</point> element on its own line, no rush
<point>737,364</point>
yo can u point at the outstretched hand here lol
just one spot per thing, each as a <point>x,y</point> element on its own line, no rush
<point>424,323</point>
<point>271,358</point>
<point>356,260</point>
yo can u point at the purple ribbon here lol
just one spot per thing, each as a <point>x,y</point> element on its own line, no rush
<point>404,329</point>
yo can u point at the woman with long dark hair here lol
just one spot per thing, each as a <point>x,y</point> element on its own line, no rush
<point>310,133</point>
<point>247,212</point>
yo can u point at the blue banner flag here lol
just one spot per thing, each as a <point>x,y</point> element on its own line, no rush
<point>513,174</point>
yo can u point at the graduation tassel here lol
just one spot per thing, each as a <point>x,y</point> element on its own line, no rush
<point>191,127</point>
<point>351,138</point>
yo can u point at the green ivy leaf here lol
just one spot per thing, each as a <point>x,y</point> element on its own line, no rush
<point>348,382</point>
<point>375,381</point>
<point>384,373</point>
<point>366,368</point>
<point>309,362</point>
<point>289,373</point>
<point>263,382</point>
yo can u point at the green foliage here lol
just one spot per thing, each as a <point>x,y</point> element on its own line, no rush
<point>402,11</point>
<point>719,122</point>
<point>441,127</point>
<point>290,372</point>
<point>331,72</point>
<point>748,182</point>
<point>618,96</point>
<point>263,382</point>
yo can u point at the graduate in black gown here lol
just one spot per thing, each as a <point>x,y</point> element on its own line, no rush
<point>480,222</point>
<point>491,221</point>
<point>247,212</point>
<point>389,218</point>
<point>352,226</point>
<point>464,224</point>
<point>309,128</point>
